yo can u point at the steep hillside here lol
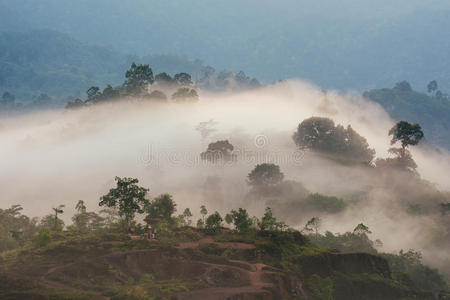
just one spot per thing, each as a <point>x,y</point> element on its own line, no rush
<point>192,265</point>
<point>347,44</point>
<point>50,62</point>
<point>431,112</point>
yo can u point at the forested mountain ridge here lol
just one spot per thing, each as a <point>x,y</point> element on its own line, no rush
<point>46,61</point>
<point>345,45</point>
<point>431,111</point>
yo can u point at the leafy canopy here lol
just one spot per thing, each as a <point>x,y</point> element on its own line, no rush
<point>127,197</point>
<point>265,175</point>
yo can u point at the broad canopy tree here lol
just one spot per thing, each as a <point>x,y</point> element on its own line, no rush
<point>127,197</point>
<point>265,175</point>
<point>137,78</point>
<point>405,133</point>
<point>219,151</point>
<point>322,136</point>
<point>408,135</point>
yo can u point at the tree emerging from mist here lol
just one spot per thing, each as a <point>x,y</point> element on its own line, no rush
<point>322,136</point>
<point>219,151</point>
<point>408,135</point>
<point>264,175</point>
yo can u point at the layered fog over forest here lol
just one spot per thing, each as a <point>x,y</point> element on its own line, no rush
<point>58,157</point>
<point>226,150</point>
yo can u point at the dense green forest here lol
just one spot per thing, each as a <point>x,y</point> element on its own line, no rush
<point>346,45</point>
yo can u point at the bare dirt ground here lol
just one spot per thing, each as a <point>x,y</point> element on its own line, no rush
<point>223,245</point>
<point>254,276</point>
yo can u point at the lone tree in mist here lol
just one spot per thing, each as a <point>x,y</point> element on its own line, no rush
<point>406,133</point>
<point>219,151</point>
<point>265,175</point>
<point>322,136</point>
<point>137,78</point>
<point>127,197</point>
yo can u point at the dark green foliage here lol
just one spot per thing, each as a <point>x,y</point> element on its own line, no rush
<point>213,223</point>
<point>269,222</point>
<point>408,134</point>
<point>138,77</point>
<point>265,175</point>
<point>240,219</point>
<point>162,207</point>
<point>322,136</point>
<point>127,197</point>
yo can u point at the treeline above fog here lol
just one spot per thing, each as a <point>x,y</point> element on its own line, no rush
<point>345,44</point>
<point>48,64</point>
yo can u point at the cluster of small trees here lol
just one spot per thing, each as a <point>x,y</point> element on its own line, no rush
<point>141,83</point>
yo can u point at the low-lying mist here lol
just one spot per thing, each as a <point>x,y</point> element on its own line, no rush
<point>59,157</point>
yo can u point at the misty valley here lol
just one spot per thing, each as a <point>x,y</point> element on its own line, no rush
<point>129,170</point>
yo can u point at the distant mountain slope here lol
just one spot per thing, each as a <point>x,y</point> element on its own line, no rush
<point>50,62</point>
<point>432,113</point>
<point>348,44</point>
